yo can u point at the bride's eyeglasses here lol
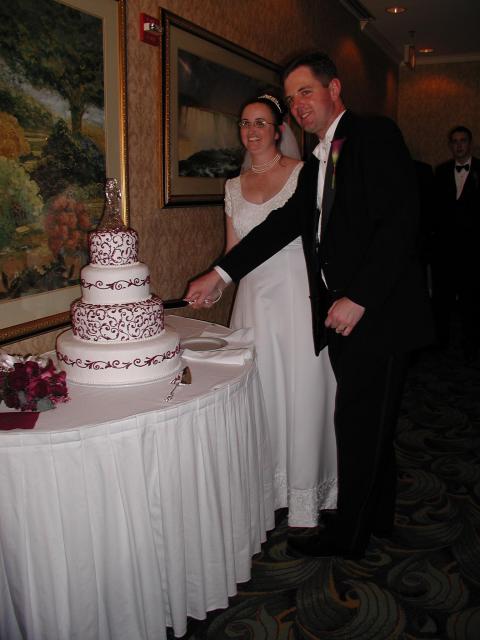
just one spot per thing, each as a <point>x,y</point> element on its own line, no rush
<point>258,123</point>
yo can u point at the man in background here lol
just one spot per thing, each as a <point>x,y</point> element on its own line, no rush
<point>455,261</point>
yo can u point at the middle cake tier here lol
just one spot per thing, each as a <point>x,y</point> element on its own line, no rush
<point>115,285</point>
<point>109,323</point>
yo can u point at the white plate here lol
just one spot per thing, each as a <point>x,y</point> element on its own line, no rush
<point>203,344</point>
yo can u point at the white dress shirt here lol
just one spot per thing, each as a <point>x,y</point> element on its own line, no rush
<point>461,176</point>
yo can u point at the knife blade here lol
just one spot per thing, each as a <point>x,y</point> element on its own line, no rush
<point>174,304</point>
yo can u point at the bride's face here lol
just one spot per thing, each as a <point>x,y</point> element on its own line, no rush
<point>255,137</point>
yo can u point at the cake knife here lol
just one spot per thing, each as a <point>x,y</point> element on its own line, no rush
<point>181,379</point>
<point>174,304</point>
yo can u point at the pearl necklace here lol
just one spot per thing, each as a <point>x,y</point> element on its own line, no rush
<point>266,166</point>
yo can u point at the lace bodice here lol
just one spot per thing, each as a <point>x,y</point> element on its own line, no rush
<point>247,215</point>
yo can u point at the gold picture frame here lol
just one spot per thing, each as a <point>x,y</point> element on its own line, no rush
<point>27,315</point>
<point>205,80</point>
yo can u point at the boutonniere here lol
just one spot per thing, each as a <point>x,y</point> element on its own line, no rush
<point>336,149</point>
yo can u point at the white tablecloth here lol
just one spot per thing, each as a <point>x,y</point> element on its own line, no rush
<point>121,514</point>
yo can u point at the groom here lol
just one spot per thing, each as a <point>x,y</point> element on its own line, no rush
<point>356,210</point>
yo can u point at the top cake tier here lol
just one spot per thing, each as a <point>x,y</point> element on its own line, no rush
<point>114,247</point>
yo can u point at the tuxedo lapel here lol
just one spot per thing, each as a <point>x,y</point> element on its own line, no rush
<point>312,217</point>
<point>328,194</point>
<point>472,181</point>
<point>330,184</point>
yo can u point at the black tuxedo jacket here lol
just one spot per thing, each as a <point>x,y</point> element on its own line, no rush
<point>426,193</point>
<point>458,221</point>
<point>368,249</point>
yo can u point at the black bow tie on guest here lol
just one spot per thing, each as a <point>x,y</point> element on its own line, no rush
<point>459,167</point>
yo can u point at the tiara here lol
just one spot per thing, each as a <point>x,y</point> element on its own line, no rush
<point>267,96</point>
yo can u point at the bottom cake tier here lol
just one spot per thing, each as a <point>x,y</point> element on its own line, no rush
<point>118,364</point>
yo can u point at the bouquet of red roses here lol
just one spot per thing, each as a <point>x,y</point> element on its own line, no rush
<point>31,383</point>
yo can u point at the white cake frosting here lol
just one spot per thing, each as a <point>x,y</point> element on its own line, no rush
<point>114,285</point>
<point>118,334</point>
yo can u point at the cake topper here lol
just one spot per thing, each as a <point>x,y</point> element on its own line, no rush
<point>112,216</point>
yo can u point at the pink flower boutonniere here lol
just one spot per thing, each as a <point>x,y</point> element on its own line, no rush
<point>336,149</point>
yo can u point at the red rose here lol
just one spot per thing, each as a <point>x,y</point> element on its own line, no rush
<point>18,378</point>
<point>58,386</point>
<point>59,389</point>
<point>32,369</point>
<point>38,388</point>
<point>48,371</point>
<point>11,399</point>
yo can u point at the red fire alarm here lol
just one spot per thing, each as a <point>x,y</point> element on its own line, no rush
<point>150,29</point>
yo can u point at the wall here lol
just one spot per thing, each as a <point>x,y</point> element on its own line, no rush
<point>433,99</point>
<point>179,243</point>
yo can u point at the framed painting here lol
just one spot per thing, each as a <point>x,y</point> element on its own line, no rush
<point>62,133</point>
<point>205,81</point>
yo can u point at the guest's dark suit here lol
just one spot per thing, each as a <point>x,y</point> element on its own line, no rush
<point>455,263</point>
<point>367,253</point>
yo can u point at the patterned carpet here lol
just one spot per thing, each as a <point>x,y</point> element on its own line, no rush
<point>424,582</point>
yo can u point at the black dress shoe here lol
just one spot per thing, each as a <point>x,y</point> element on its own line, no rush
<point>320,546</point>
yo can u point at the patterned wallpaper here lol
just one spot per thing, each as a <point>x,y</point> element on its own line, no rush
<point>432,100</point>
<point>179,243</point>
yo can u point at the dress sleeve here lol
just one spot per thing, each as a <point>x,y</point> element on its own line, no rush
<point>228,199</point>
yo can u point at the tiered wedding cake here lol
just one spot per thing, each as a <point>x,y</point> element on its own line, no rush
<point>118,334</point>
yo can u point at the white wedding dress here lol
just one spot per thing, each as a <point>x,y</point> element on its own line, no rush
<point>299,388</point>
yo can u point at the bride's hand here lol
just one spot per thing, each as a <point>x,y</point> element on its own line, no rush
<point>205,290</point>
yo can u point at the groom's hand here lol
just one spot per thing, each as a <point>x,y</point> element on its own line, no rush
<point>205,290</point>
<point>343,316</point>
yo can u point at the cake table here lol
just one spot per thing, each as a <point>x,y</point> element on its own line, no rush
<point>121,514</point>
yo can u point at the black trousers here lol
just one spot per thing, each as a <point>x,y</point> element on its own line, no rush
<point>456,284</point>
<point>369,390</point>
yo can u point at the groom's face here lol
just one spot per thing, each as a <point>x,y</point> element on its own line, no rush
<point>312,105</point>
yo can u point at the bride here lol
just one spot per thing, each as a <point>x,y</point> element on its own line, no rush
<point>299,388</point>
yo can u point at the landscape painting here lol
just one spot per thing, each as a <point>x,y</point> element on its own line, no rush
<point>206,81</point>
<point>209,98</point>
<point>54,158</point>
